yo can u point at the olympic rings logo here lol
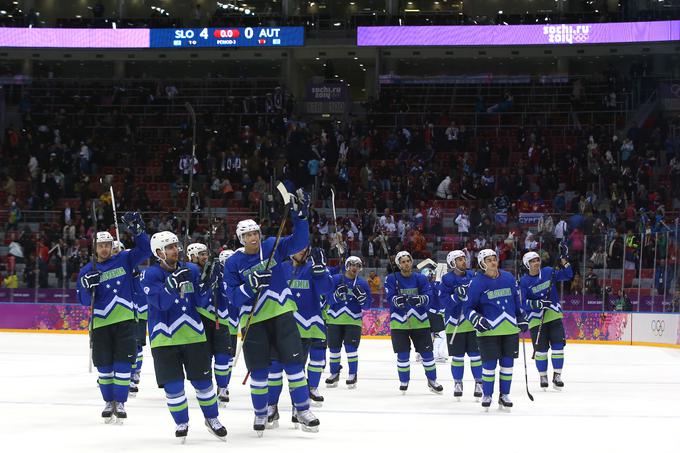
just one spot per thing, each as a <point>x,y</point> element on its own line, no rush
<point>658,327</point>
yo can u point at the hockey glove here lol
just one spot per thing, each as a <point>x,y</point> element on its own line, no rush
<point>480,323</point>
<point>461,292</point>
<point>537,304</point>
<point>522,323</point>
<point>341,292</point>
<point>91,279</point>
<point>134,223</point>
<point>302,205</point>
<point>177,279</point>
<point>400,301</point>
<point>318,261</point>
<point>360,294</point>
<point>259,280</point>
<point>417,301</point>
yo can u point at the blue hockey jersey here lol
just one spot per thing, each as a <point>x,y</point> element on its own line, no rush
<point>497,299</point>
<point>453,306</point>
<point>347,312</point>
<point>174,320</point>
<point>114,300</point>
<point>308,290</point>
<point>409,317</point>
<point>541,287</point>
<point>278,297</point>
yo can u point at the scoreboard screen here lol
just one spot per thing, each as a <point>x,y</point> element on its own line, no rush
<point>227,37</point>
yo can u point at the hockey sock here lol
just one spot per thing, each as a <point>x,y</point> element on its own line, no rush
<point>488,376</point>
<point>335,360</point>
<point>352,358</point>
<point>429,365</point>
<point>403,366</point>
<point>317,362</point>
<point>275,382</point>
<point>230,366</point>
<point>140,360</point>
<point>475,366</point>
<point>121,381</point>
<point>505,375</point>
<point>258,391</point>
<point>542,362</point>
<point>177,401</point>
<point>105,382</point>
<point>206,396</point>
<point>457,367</point>
<point>557,357</point>
<point>222,369</point>
<point>297,385</point>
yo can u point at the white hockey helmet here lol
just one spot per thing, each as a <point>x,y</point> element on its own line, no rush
<point>482,255</point>
<point>246,226</point>
<point>453,256</point>
<point>353,260</point>
<point>118,246</point>
<point>195,248</point>
<point>400,255</point>
<point>224,256</point>
<point>104,236</point>
<point>161,239</point>
<point>528,257</point>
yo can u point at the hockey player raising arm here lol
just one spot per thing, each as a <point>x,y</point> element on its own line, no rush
<point>177,335</point>
<point>541,302</point>
<point>409,294</point>
<point>309,280</point>
<point>494,309</point>
<point>114,347</point>
<point>272,323</point>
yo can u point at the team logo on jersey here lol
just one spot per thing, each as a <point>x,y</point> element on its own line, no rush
<point>112,273</point>
<point>496,293</point>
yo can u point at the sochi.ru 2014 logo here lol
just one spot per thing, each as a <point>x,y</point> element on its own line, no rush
<point>567,34</point>
<point>658,327</point>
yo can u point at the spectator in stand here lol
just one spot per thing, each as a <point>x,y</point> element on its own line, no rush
<point>561,230</point>
<point>444,189</point>
<point>376,286</point>
<point>592,286</point>
<point>14,218</point>
<point>463,222</point>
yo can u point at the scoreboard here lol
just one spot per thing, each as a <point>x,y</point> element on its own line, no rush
<point>226,37</point>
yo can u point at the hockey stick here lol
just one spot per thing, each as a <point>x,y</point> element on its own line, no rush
<point>287,200</point>
<point>115,215</point>
<point>94,290</point>
<point>338,245</point>
<point>526,373</point>
<point>192,115</point>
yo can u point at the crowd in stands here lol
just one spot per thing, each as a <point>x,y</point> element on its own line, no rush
<point>601,200</point>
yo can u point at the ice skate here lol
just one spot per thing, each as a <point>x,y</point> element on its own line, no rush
<point>272,417</point>
<point>259,424</point>
<point>544,382</point>
<point>315,396</point>
<point>107,413</point>
<point>557,381</point>
<point>181,431</point>
<point>308,421</point>
<point>486,402</point>
<point>434,386</point>
<point>216,428</point>
<point>119,412</point>
<point>458,390</point>
<point>504,403</point>
<point>478,390</point>
<point>351,381</point>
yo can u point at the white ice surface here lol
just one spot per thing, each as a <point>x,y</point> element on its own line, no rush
<point>616,399</point>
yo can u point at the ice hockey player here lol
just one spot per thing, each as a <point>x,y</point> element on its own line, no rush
<point>174,290</point>
<point>350,295</point>
<point>541,302</point>
<point>309,280</point>
<point>494,309</point>
<point>140,307</point>
<point>267,305</point>
<point>112,326</point>
<point>435,313</point>
<point>230,314</point>
<point>461,337</point>
<point>409,296</point>
<point>216,332</point>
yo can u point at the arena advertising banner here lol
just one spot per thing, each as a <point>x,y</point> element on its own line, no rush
<point>656,328</point>
<point>620,327</point>
<point>520,35</point>
<point>156,38</point>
